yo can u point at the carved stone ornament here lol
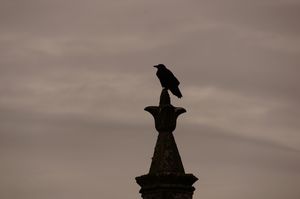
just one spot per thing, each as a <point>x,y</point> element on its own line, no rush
<point>166,178</point>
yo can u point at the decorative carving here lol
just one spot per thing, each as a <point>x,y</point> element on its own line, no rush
<point>165,115</point>
<point>167,178</point>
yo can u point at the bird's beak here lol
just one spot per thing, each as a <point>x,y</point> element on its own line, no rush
<point>155,66</point>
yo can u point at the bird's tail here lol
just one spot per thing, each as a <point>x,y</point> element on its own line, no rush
<point>176,92</point>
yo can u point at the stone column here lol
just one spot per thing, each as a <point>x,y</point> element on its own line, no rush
<point>166,178</point>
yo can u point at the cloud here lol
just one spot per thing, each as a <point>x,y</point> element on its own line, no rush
<point>75,77</point>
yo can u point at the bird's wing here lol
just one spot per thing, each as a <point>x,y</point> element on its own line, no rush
<point>171,78</point>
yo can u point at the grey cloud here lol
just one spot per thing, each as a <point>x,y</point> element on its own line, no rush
<point>76,75</point>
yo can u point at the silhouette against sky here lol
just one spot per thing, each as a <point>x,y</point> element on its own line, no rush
<point>168,80</point>
<point>166,177</point>
<point>76,75</point>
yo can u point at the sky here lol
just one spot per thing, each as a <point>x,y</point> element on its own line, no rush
<point>76,75</point>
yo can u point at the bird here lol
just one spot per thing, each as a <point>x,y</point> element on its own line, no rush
<point>168,80</point>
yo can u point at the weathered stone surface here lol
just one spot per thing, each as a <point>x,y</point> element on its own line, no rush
<point>165,115</point>
<point>166,178</point>
<point>166,158</point>
<point>172,185</point>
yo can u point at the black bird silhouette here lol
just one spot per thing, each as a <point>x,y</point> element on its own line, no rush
<point>168,80</point>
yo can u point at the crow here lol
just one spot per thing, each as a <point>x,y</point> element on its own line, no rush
<point>168,80</point>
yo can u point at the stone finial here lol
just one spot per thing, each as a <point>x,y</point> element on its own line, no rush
<point>165,115</point>
<point>166,178</point>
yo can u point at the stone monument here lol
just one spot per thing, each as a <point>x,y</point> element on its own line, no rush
<point>166,178</point>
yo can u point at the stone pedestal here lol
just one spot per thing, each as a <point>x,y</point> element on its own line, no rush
<point>166,178</point>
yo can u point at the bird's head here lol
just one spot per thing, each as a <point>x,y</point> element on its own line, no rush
<point>159,66</point>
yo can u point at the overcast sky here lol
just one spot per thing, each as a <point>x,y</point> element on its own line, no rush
<point>76,75</point>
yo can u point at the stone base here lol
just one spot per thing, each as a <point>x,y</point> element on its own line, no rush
<point>167,186</point>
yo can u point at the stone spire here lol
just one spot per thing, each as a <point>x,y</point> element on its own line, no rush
<point>166,178</point>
